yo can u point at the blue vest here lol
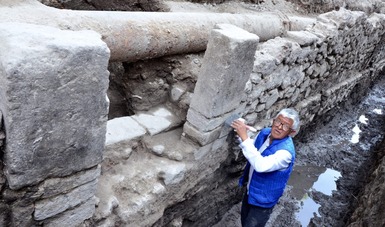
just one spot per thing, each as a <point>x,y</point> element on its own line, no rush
<point>265,189</point>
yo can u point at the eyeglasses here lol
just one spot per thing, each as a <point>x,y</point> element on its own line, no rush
<point>278,123</point>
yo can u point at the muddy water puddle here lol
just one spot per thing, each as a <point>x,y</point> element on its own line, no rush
<point>307,178</point>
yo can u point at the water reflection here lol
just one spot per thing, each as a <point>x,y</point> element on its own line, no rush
<point>309,209</point>
<point>356,136</point>
<point>307,178</point>
<point>326,182</point>
<point>378,111</point>
<point>363,119</point>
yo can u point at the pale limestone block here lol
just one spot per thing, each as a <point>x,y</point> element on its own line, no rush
<point>123,129</point>
<point>227,65</point>
<point>157,120</point>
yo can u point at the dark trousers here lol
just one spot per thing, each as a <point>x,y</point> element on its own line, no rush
<point>254,216</point>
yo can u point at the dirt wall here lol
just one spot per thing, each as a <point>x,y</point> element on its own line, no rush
<point>369,204</point>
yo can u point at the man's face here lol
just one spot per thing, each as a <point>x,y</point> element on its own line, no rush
<point>281,127</point>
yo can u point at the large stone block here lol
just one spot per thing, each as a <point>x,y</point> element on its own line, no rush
<point>53,87</point>
<point>227,65</point>
<point>74,217</point>
<point>202,123</point>
<point>55,186</point>
<point>123,129</point>
<point>157,120</point>
<point>47,208</point>
<point>202,138</point>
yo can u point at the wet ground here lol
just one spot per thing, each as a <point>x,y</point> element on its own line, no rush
<point>307,179</point>
<point>335,156</point>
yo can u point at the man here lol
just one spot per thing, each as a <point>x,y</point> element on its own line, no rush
<point>270,161</point>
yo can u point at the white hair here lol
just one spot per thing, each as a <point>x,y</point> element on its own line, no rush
<point>292,114</point>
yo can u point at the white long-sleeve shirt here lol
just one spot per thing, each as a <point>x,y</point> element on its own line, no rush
<point>278,161</point>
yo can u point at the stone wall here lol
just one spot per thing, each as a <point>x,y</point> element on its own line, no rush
<point>315,69</point>
<point>172,161</point>
<point>190,175</point>
<point>312,60</point>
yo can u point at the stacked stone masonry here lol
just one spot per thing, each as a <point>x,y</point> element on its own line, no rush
<point>312,70</point>
<point>156,158</point>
